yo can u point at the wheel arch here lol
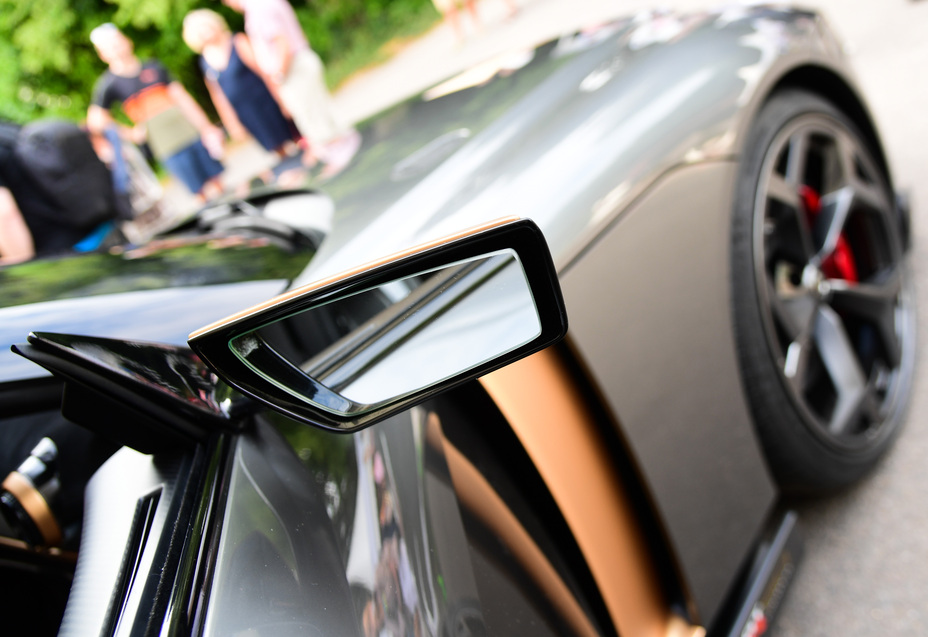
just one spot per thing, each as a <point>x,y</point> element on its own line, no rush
<point>830,85</point>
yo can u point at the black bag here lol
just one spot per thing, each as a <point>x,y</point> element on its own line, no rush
<point>60,159</point>
<point>9,133</point>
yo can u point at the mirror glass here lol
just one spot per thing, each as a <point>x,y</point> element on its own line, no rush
<point>351,354</point>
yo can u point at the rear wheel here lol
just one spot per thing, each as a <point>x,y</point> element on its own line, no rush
<point>824,306</point>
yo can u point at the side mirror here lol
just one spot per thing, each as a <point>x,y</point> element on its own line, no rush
<point>351,350</point>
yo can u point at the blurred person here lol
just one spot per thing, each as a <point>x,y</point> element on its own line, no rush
<point>232,78</point>
<point>287,62</point>
<point>165,115</point>
<point>140,196</point>
<point>16,242</point>
<point>55,194</point>
<point>450,10</point>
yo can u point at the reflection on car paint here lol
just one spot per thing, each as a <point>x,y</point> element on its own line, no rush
<point>314,519</point>
<point>162,264</point>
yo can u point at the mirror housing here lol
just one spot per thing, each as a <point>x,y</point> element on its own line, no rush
<point>353,349</point>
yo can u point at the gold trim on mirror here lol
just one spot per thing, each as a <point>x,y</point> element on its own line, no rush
<point>316,285</point>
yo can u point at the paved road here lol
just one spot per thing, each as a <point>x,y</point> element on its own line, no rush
<point>866,571</point>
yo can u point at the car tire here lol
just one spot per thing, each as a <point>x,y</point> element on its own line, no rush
<point>824,307</point>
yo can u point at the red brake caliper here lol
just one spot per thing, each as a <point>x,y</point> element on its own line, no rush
<point>840,263</point>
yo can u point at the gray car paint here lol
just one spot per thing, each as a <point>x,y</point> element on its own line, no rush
<point>664,359</point>
<point>569,139</point>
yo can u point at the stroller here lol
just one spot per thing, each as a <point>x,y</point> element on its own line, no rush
<point>139,194</point>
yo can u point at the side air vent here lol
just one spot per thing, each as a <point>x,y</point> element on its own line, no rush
<point>135,547</point>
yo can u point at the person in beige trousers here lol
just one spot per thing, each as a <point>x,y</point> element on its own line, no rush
<point>289,64</point>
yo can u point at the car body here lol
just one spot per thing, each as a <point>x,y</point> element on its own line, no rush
<point>626,480</point>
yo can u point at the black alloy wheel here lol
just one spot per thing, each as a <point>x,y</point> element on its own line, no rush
<point>824,305</point>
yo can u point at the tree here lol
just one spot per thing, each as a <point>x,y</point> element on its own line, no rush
<point>48,66</point>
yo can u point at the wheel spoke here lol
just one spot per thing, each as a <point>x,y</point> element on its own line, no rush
<point>847,155</point>
<point>875,302</point>
<point>796,162</point>
<point>794,178</point>
<point>835,208</point>
<point>793,310</point>
<point>865,190</point>
<point>870,299</point>
<point>851,407</point>
<point>870,196</point>
<point>784,191</point>
<point>797,362</point>
<point>843,368</point>
<point>798,314</point>
<point>861,178</point>
<point>790,233</point>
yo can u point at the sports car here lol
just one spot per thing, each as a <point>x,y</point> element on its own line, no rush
<point>544,359</point>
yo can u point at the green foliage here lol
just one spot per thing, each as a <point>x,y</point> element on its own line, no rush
<point>197,263</point>
<point>351,34</point>
<point>38,57</point>
<point>48,66</point>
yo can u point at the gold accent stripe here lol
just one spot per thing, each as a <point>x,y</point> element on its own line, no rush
<point>316,285</point>
<point>540,400</point>
<point>35,505</point>
<point>477,495</point>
